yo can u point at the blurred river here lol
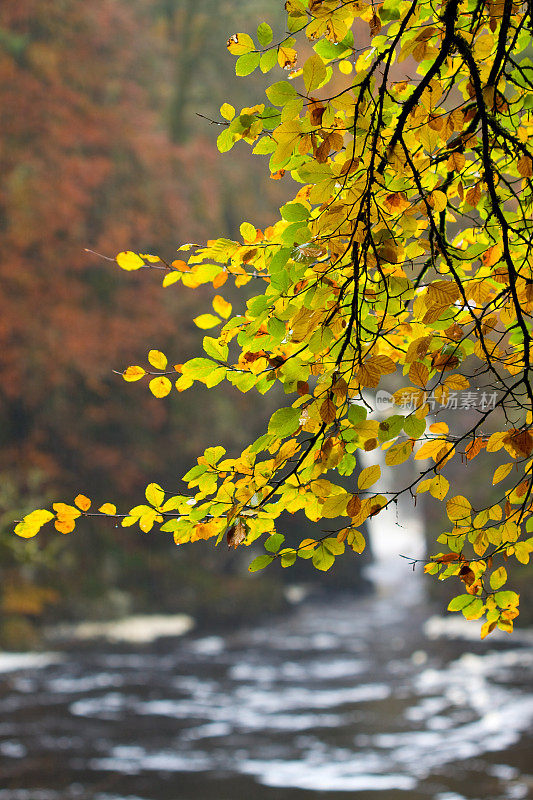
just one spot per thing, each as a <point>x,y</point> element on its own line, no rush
<point>342,698</point>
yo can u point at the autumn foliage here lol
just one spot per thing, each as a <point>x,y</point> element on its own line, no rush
<point>404,260</point>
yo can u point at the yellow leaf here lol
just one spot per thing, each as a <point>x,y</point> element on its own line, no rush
<point>248,232</point>
<point>160,386</point>
<point>429,449</point>
<point>456,162</point>
<point>240,43</point>
<point>438,200</point>
<point>32,523</point>
<point>356,541</point>
<point>498,578</point>
<point>314,72</point>
<point>108,508</point>
<point>65,511</point>
<point>487,628</point>
<point>227,111</point>
<point>439,487</point>
<point>82,502</point>
<point>221,306</point>
<point>398,453</point>
<point>129,261</point>
<point>495,441</point>
<point>501,472</point>
<point>205,321</point>
<point>39,517</point>
<point>335,506</point>
<point>458,508</point>
<point>439,427</point>
<point>131,374</point>
<point>204,530</point>
<point>369,476</point>
<point>170,278</point>
<point>183,383</point>
<point>455,382</point>
<point>154,494</point>
<point>287,57</point>
<point>157,359</point>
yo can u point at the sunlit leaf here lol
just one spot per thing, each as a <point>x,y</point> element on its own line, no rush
<point>129,261</point>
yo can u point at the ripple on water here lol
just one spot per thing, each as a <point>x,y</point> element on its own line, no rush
<point>355,776</point>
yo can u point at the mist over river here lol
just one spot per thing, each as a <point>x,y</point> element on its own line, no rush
<point>362,698</point>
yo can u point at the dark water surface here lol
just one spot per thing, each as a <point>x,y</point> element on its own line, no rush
<point>344,698</point>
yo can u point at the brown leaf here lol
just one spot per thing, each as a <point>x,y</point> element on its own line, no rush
<point>473,195</point>
<point>418,373</point>
<point>447,558</point>
<point>328,411</point>
<point>236,534</point>
<point>442,361</point>
<point>454,332</point>
<point>354,506</point>
<point>466,575</point>
<point>323,151</point>
<point>519,442</point>
<point>525,167</point>
<point>316,112</point>
<point>375,25</point>
<point>340,387</point>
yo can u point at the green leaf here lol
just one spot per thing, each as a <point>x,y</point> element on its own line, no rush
<point>246,64</point>
<point>322,558</point>
<point>335,547</point>
<point>330,50</point>
<point>264,34</point>
<point>294,212</point>
<point>215,348</point>
<point>356,413</point>
<point>279,261</point>
<point>507,599</point>
<point>274,542</point>
<point>265,146</point>
<point>280,93</point>
<point>268,60</point>
<point>225,141</point>
<point>498,578</point>
<point>284,421</point>
<point>287,557</point>
<point>198,367</point>
<point>413,426</point>
<point>460,602</point>
<point>260,563</point>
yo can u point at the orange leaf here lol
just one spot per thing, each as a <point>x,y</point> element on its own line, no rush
<point>83,502</point>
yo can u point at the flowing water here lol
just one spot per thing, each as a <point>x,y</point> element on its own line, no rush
<point>343,698</point>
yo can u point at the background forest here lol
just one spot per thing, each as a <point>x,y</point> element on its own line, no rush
<point>102,148</point>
